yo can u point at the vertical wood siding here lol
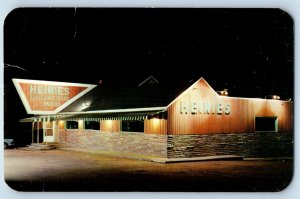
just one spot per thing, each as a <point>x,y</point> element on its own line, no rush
<point>80,124</point>
<point>155,126</point>
<point>241,117</point>
<point>61,124</point>
<point>110,125</point>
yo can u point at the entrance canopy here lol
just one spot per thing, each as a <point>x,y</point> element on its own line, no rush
<point>121,114</point>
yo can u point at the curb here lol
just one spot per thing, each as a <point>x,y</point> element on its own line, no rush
<point>158,159</point>
<point>176,160</point>
<point>197,159</point>
<point>269,159</point>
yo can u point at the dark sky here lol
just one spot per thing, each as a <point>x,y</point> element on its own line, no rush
<point>248,51</point>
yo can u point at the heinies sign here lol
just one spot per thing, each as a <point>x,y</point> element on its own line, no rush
<point>47,97</point>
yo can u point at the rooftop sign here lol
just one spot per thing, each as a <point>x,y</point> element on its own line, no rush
<point>47,97</point>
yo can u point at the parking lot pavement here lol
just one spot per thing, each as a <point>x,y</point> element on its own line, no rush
<point>62,170</point>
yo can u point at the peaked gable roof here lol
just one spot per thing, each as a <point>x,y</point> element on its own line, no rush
<point>149,80</point>
<point>117,98</point>
<point>200,83</point>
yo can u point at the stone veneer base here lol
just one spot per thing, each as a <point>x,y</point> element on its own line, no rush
<point>258,144</point>
<point>139,143</point>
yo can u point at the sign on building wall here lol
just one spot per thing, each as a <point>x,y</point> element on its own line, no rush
<point>47,97</point>
<point>200,107</point>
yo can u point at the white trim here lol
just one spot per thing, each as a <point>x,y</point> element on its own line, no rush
<point>118,110</point>
<point>189,88</point>
<point>21,94</point>
<point>26,104</point>
<point>220,96</point>
<point>249,98</point>
<point>43,82</point>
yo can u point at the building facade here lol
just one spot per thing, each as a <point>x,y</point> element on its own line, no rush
<point>192,122</point>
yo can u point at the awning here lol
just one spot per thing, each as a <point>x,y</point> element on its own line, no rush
<point>117,114</point>
<point>39,119</point>
<point>29,119</point>
<point>111,116</point>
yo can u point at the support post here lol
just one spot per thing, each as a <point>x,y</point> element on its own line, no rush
<point>38,132</point>
<point>32,133</point>
<point>44,131</point>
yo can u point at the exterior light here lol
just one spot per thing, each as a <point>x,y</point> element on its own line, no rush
<point>155,122</point>
<point>223,92</point>
<point>109,123</point>
<point>275,97</point>
<point>85,105</point>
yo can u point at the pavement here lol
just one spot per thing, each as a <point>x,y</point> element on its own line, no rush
<point>175,160</point>
<point>67,170</point>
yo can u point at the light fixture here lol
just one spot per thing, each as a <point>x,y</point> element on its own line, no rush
<point>224,92</point>
<point>85,105</point>
<point>275,97</point>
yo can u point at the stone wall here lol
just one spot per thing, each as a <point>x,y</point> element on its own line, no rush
<point>138,143</point>
<point>258,144</point>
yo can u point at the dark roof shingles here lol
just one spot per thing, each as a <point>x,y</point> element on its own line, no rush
<point>107,98</point>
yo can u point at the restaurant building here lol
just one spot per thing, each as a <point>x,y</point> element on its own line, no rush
<point>177,121</point>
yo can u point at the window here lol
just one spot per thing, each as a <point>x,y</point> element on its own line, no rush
<point>72,125</point>
<point>48,128</point>
<point>48,132</point>
<point>94,125</point>
<point>266,124</point>
<point>133,126</point>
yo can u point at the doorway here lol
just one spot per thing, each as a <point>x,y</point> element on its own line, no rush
<point>50,130</point>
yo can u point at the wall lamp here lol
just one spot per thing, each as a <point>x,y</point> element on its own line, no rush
<point>223,92</point>
<point>275,97</point>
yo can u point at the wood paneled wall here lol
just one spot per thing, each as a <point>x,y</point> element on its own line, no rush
<point>240,119</point>
<point>155,126</point>
<point>80,124</point>
<point>110,125</point>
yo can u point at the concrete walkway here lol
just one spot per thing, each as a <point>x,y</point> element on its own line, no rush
<point>156,159</point>
<point>206,158</point>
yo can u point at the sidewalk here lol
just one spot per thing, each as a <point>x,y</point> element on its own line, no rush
<point>206,158</point>
<point>156,159</point>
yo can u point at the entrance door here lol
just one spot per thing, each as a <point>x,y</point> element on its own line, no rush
<point>48,132</point>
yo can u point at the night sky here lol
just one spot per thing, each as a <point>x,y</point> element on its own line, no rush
<point>248,51</point>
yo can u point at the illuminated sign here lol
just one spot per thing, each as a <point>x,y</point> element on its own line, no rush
<point>204,108</point>
<point>47,97</point>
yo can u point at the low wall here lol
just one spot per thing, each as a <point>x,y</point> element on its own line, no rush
<point>258,144</point>
<point>139,143</point>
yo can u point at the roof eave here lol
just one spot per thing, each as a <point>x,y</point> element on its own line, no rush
<point>163,108</point>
